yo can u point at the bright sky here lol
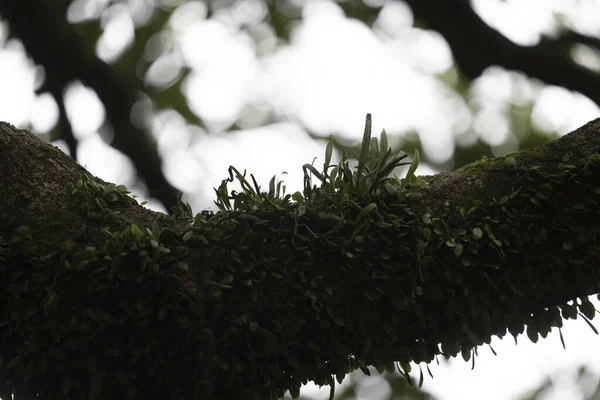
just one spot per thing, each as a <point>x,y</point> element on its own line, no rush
<point>334,72</point>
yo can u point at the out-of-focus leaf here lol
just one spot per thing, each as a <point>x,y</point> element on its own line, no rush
<point>129,63</point>
<point>173,98</point>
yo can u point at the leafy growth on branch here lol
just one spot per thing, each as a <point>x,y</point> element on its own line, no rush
<point>275,290</point>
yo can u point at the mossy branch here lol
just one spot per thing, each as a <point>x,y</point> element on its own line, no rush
<point>275,290</point>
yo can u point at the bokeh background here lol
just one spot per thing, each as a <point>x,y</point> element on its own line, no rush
<point>164,95</point>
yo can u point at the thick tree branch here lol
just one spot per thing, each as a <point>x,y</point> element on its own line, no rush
<point>54,43</point>
<point>476,46</point>
<point>249,303</point>
<point>571,38</point>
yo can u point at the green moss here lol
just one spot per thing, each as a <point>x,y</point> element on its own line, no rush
<point>474,167</point>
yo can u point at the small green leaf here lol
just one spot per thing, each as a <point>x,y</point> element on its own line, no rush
<point>368,208</point>
<point>543,195</point>
<point>383,145</point>
<point>390,189</point>
<point>587,308</point>
<point>109,188</point>
<point>568,311</point>
<point>364,149</point>
<point>328,152</point>
<point>426,218</point>
<point>226,279</point>
<point>112,197</point>
<point>536,201</point>
<point>458,250</point>
<point>182,266</point>
<point>477,233</point>
<point>311,295</point>
<point>426,233</point>
<point>532,333</point>
<point>249,237</point>
<point>135,230</point>
<point>155,230</point>
<point>297,197</point>
<point>295,393</point>
<point>413,167</point>
<point>329,216</point>
<point>466,353</point>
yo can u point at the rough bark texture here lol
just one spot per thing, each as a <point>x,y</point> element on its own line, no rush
<point>286,294</point>
<point>52,42</point>
<point>37,182</point>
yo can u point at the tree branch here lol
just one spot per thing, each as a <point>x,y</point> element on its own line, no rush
<point>476,46</point>
<point>248,303</point>
<point>54,43</point>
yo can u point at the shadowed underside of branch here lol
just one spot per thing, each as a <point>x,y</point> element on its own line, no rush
<point>103,298</point>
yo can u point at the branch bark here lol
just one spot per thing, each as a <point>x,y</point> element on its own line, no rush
<point>56,45</point>
<point>248,304</point>
<point>476,46</point>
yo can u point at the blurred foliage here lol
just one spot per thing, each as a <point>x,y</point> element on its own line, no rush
<point>282,16</point>
<point>394,385</point>
<point>134,64</point>
<point>583,383</point>
<point>399,387</point>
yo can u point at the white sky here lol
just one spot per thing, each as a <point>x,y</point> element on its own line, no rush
<point>249,75</point>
